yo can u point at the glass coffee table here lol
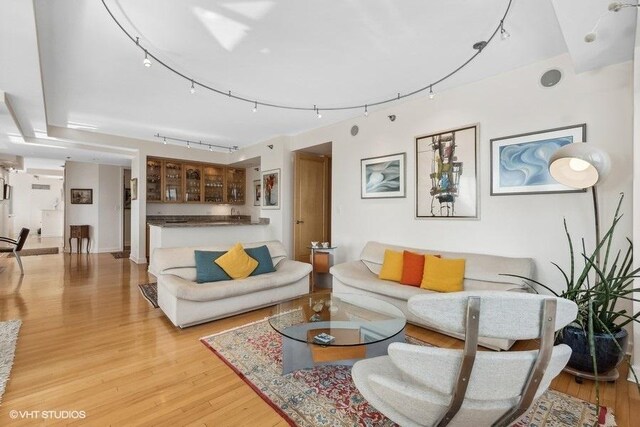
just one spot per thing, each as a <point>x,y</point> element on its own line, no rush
<point>357,326</point>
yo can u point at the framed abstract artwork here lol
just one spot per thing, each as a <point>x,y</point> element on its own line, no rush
<point>271,189</point>
<point>447,174</point>
<point>383,177</point>
<point>519,163</point>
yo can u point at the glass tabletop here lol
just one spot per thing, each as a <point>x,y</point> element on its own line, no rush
<point>344,319</point>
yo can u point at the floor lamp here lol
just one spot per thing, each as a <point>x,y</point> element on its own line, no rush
<point>581,165</point>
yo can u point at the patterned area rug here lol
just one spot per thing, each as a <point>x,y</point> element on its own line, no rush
<point>150,292</point>
<point>326,395</point>
<point>37,251</point>
<point>8,338</point>
<point>120,255</point>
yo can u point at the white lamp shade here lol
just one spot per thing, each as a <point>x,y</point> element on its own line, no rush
<point>579,165</point>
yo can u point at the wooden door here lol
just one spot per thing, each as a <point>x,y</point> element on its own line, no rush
<point>311,203</point>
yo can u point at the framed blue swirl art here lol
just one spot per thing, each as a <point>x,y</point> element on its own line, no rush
<point>519,162</point>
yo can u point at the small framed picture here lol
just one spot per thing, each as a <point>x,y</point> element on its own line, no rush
<point>383,177</point>
<point>271,189</point>
<point>134,188</point>
<point>519,163</point>
<point>257,188</point>
<point>2,184</point>
<point>81,196</point>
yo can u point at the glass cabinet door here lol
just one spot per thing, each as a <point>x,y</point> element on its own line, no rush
<point>213,184</point>
<point>235,186</point>
<point>154,180</point>
<point>173,182</point>
<point>193,183</point>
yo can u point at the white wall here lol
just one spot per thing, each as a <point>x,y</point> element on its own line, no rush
<point>6,228</point>
<point>636,187</point>
<point>110,203</point>
<point>127,212</point>
<point>28,203</point>
<point>511,103</point>
<point>104,216</point>
<point>80,175</point>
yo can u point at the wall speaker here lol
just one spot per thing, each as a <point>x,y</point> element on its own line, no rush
<point>551,78</point>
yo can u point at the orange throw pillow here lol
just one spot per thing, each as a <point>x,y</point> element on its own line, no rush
<point>412,268</point>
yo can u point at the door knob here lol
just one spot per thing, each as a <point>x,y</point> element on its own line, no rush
<point>299,222</point>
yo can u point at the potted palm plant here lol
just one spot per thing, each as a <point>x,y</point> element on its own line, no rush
<point>597,337</point>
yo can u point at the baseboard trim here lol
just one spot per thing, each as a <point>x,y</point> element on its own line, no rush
<point>138,260</point>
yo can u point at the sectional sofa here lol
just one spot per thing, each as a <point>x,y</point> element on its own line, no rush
<point>482,273</point>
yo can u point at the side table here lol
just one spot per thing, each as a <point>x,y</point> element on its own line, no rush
<point>316,250</point>
<point>79,232</point>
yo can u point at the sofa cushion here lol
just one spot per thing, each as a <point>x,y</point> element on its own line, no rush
<point>237,263</point>
<point>412,268</point>
<point>262,255</point>
<point>443,274</point>
<point>206,268</point>
<point>287,272</point>
<point>392,266</point>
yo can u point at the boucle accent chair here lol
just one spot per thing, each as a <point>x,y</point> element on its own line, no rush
<point>428,386</point>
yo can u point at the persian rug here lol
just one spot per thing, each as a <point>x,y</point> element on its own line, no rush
<point>121,255</point>
<point>326,395</point>
<point>150,292</point>
<point>36,251</point>
<point>8,338</point>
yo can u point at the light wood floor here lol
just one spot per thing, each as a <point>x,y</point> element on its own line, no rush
<point>90,342</point>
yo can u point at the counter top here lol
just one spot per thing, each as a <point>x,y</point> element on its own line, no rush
<point>203,221</point>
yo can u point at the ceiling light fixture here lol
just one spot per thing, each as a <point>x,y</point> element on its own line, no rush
<point>189,143</point>
<point>431,94</point>
<point>479,46</point>
<point>366,110</point>
<point>193,88</point>
<point>616,6</point>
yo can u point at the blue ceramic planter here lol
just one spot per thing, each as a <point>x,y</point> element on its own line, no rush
<point>608,355</point>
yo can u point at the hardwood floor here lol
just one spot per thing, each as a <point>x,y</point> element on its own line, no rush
<point>90,342</point>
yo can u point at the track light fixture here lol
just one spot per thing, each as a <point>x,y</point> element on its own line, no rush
<point>366,110</point>
<point>504,34</point>
<point>431,93</point>
<point>189,143</point>
<point>193,88</point>
<point>479,46</point>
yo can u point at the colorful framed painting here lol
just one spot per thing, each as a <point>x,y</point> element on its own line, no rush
<point>271,189</point>
<point>256,192</point>
<point>447,174</point>
<point>383,177</point>
<point>519,163</point>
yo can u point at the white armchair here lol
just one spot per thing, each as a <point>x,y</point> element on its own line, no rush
<point>428,386</point>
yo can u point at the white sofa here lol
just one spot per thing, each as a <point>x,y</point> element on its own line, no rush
<point>482,273</point>
<point>188,303</point>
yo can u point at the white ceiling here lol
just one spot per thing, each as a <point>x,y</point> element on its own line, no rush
<point>328,53</point>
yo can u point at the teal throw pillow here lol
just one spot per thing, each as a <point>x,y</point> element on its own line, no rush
<point>262,255</point>
<point>206,269</point>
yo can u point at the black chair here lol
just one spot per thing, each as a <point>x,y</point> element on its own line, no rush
<point>17,246</point>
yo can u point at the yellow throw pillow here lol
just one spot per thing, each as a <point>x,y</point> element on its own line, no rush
<point>391,266</point>
<point>237,263</point>
<point>442,274</point>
